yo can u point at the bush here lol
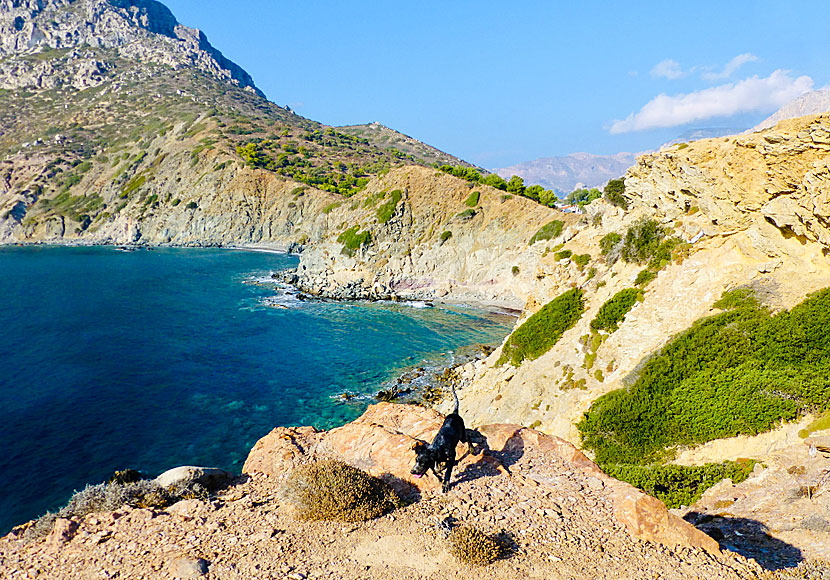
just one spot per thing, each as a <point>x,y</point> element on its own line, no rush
<point>613,193</point>
<point>472,546</point>
<point>610,245</point>
<point>614,310</point>
<point>191,205</point>
<point>515,270</point>
<point>581,260</point>
<point>549,231</point>
<point>387,210</point>
<point>472,200</point>
<point>642,241</point>
<point>540,332</point>
<point>124,489</point>
<point>562,255</point>
<point>644,278</point>
<point>466,214</point>
<point>352,239</point>
<point>740,372</point>
<point>334,490</point>
<point>331,207</point>
<point>445,235</point>
<point>679,485</point>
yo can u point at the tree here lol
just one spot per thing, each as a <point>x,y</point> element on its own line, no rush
<point>516,185</point>
<point>614,193</point>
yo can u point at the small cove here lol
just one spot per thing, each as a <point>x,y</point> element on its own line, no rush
<point>156,358</point>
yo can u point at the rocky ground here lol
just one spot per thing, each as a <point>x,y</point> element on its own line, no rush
<point>556,513</point>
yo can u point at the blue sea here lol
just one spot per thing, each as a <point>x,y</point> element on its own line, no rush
<point>150,359</point>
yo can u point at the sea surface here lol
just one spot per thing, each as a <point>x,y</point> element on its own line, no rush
<point>150,359</point>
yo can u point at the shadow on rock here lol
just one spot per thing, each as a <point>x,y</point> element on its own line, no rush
<point>749,538</point>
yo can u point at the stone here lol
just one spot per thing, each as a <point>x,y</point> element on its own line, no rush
<point>188,568</point>
<point>210,477</point>
<point>62,533</point>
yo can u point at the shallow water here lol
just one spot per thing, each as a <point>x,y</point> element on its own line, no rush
<point>152,359</point>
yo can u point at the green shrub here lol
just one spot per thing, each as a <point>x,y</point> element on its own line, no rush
<point>472,200</point>
<point>679,485</point>
<point>642,241</point>
<point>613,193</point>
<point>445,235</point>
<point>644,278</point>
<point>613,312</point>
<point>334,490</point>
<point>740,372</point>
<point>609,242</point>
<point>540,332</point>
<point>352,239</point>
<point>549,231</point>
<point>133,185</point>
<point>387,210</point>
<point>472,546</point>
<point>175,202</point>
<point>562,255</point>
<point>581,260</point>
<point>191,205</point>
<point>515,270</point>
<point>466,214</point>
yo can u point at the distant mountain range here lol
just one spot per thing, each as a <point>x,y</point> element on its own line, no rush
<point>564,174</point>
<point>811,103</point>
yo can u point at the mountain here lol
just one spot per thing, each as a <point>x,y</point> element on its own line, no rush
<point>44,35</point>
<point>120,125</point>
<point>564,174</point>
<point>697,134</point>
<point>390,140</point>
<point>811,103</point>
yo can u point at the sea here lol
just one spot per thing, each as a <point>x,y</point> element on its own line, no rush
<point>154,358</point>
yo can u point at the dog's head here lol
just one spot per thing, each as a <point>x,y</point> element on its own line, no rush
<point>423,459</point>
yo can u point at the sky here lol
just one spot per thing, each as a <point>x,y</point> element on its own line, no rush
<point>499,83</point>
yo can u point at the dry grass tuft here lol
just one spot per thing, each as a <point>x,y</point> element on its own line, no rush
<point>472,546</point>
<point>334,490</point>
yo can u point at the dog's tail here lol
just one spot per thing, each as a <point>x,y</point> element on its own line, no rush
<point>455,398</point>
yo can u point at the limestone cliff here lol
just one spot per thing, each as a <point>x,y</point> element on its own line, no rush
<point>755,210</point>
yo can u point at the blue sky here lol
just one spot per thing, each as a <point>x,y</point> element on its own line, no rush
<point>498,83</point>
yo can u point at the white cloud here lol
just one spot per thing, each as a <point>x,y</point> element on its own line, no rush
<point>730,67</point>
<point>669,69</point>
<point>749,95</point>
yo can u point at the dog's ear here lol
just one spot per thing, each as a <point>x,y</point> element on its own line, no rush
<point>418,445</point>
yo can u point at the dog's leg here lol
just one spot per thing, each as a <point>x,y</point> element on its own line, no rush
<point>448,473</point>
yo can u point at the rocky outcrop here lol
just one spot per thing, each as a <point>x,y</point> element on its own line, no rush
<point>142,30</point>
<point>380,442</point>
<point>812,103</point>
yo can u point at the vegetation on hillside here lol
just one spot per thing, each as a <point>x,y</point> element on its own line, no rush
<point>582,197</point>
<point>613,311</point>
<point>387,210</point>
<point>740,372</point>
<point>540,332</point>
<point>613,193</point>
<point>644,242</point>
<point>515,185</point>
<point>549,231</point>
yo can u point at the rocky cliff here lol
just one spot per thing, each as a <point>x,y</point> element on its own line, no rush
<point>141,30</point>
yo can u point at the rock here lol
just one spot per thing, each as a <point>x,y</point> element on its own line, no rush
<point>187,568</point>
<point>62,533</point>
<point>210,477</point>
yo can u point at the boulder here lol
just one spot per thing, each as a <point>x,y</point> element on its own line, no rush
<point>210,477</point>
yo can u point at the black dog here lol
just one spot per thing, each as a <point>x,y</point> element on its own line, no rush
<point>440,454</point>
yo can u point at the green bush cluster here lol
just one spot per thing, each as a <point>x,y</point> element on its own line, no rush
<point>644,278</point>
<point>642,240</point>
<point>466,214</point>
<point>562,254</point>
<point>549,231</point>
<point>679,485</point>
<point>515,185</point>
<point>613,312</point>
<point>581,260</point>
<point>544,329</point>
<point>613,193</point>
<point>334,490</point>
<point>472,199</point>
<point>387,210</point>
<point>445,235</point>
<point>472,546</point>
<point>352,239</point>
<point>739,372</point>
<point>331,207</point>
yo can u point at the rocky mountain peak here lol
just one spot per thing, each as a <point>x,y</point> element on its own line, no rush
<point>142,30</point>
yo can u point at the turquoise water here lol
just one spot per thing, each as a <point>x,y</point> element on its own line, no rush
<point>152,359</point>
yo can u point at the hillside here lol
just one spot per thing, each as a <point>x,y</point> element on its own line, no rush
<point>812,103</point>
